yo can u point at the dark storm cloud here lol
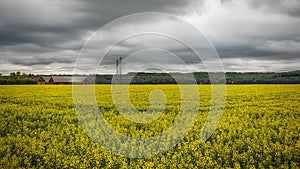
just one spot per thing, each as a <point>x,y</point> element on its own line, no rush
<point>112,9</point>
<point>254,31</point>
<point>41,61</point>
<point>47,22</point>
<point>36,33</point>
<point>56,26</point>
<point>274,50</point>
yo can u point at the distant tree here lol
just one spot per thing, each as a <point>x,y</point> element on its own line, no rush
<point>30,75</point>
<point>23,75</point>
<point>13,75</point>
<point>18,74</point>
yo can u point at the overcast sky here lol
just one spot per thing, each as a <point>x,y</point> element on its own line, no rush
<point>45,37</point>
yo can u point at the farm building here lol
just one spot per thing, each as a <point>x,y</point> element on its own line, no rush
<point>67,80</point>
<point>40,80</point>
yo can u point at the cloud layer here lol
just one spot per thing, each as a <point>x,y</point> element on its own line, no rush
<point>45,37</point>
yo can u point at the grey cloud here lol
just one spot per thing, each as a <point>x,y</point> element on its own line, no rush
<point>46,21</point>
<point>41,61</point>
<point>46,28</point>
<point>37,33</point>
<point>271,50</point>
<point>288,7</point>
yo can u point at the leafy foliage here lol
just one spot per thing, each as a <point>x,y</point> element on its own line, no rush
<point>17,78</point>
<point>292,77</point>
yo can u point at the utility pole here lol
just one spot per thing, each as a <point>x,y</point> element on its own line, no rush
<point>119,67</point>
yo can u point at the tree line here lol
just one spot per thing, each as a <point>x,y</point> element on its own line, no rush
<point>292,77</point>
<point>18,78</point>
